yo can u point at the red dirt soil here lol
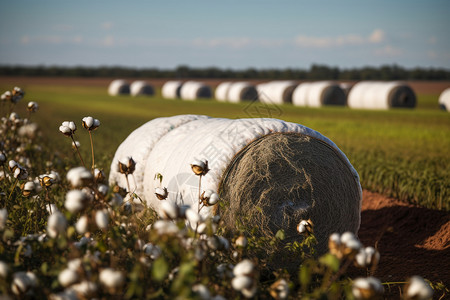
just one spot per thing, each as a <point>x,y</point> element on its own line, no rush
<point>411,240</point>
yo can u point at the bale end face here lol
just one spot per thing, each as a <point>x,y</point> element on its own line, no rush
<point>283,178</point>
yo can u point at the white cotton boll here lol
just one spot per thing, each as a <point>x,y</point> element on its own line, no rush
<point>418,288</point>
<point>75,264</point>
<point>85,288</point>
<point>89,121</point>
<point>3,218</point>
<point>165,227</point>
<point>76,201</point>
<point>213,199</point>
<point>361,258</point>
<point>82,225</point>
<point>12,164</point>
<point>193,217</point>
<point>56,224</point>
<point>201,228</point>
<point>67,277</point>
<point>169,210</point>
<point>241,282</point>
<point>4,269</point>
<point>111,278</point>
<point>353,244</point>
<point>79,176</point>
<point>23,282</point>
<point>245,267</point>
<point>101,219</point>
<point>68,294</point>
<point>241,241</point>
<point>202,291</point>
<point>249,292</point>
<point>347,236</point>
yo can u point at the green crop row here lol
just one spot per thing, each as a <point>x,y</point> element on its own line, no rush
<point>401,153</point>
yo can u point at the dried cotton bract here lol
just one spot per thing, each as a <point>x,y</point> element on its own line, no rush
<point>127,165</point>
<point>161,193</point>
<point>279,289</point>
<point>200,167</point>
<point>90,123</point>
<point>418,289</point>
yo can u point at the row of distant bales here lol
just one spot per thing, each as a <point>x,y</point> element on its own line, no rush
<point>364,94</point>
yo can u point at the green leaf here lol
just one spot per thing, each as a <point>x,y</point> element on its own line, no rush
<point>159,269</point>
<point>330,261</point>
<point>280,234</point>
<point>305,276</point>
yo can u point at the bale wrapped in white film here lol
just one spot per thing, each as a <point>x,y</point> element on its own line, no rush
<point>381,95</point>
<point>242,91</point>
<point>444,99</point>
<point>141,88</point>
<point>346,87</point>
<point>171,89</point>
<point>193,90</point>
<point>119,87</point>
<point>319,93</point>
<point>221,92</point>
<point>271,172</point>
<point>276,92</point>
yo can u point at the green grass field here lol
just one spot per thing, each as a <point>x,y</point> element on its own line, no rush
<point>402,153</point>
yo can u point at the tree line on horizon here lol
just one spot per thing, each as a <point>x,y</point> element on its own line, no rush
<point>316,72</point>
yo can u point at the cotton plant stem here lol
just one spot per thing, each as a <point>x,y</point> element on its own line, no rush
<point>92,149</point>
<point>199,192</point>
<point>78,151</point>
<point>13,188</point>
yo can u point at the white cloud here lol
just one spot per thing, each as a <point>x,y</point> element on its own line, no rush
<point>432,40</point>
<point>107,41</point>
<point>377,36</point>
<point>25,40</point>
<point>233,42</point>
<point>388,50</point>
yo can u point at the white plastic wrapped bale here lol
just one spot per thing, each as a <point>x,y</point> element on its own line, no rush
<point>444,99</point>
<point>221,92</point>
<point>346,87</point>
<point>242,91</point>
<point>319,93</point>
<point>171,89</point>
<point>119,87</point>
<point>381,95</point>
<point>194,90</point>
<point>276,92</point>
<point>269,173</point>
<point>141,88</point>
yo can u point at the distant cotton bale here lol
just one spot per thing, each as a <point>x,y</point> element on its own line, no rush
<point>444,99</point>
<point>276,92</point>
<point>221,92</point>
<point>141,88</point>
<point>119,87</point>
<point>242,91</point>
<point>381,95</point>
<point>346,87</point>
<point>193,90</point>
<point>319,93</point>
<point>270,174</point>
<point>171,89</point>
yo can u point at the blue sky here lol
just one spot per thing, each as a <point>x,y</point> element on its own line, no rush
<point>226,34</point>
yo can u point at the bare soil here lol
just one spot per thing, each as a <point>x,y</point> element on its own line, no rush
<point>411,240</point>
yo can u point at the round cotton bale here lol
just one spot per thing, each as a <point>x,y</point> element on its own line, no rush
<point>171,89</point>
<point>221,92</point>
<point>346,87</point>
<point>119,87</point>
<point>242,91</point>
<point>444,99</point>
<point>317,94</point>
<point>193,90</point>
<point>381,95</point>
<point>276,92</point>
<point>141,88</point>
<point>269,173</point>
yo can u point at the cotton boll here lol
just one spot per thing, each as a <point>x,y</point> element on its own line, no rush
<point>169,210</point>
<point>82,225</point>
<point>101,219</point>
<point>76,201</point>
<point>111,278</point>
<point>193,217</point>
<point>3,218</point>
<point>202,291</point>
<point>4,269</point>
<point>67,277</point>
<point>418,288</point>
<point>241,282</point>
<point>249,292</point>
<point>79,176</point>
<point>245,267</point>
<point>56,224</point>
